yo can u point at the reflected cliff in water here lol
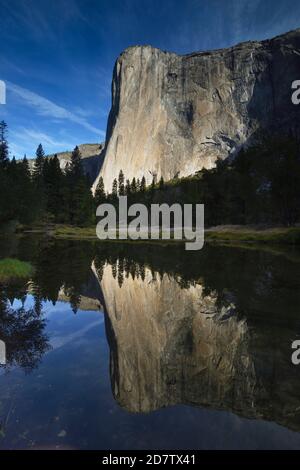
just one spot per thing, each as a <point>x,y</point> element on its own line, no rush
<point>175,339</point>
<point>211,329</point>
<point>172,344</point>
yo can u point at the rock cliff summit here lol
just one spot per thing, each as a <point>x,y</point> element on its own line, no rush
<point>172,115</point>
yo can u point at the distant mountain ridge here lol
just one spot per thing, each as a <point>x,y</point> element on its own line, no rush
<point>92,159</point>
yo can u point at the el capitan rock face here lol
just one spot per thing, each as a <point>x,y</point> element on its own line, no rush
<point>173,115</point>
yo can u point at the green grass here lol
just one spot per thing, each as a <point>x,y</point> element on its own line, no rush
<point>75,233</point>
<point>288,236</point>
<point>11,269</point>
<point>232,234</point>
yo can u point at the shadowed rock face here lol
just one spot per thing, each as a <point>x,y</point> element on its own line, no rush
<point>177,345</point>
<point>173,115</point>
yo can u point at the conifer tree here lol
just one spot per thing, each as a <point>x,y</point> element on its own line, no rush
<point>38,164</point>
<point>53,180</point>
<point>115,188</point>
<point>128,188</point>
<point>143,185</point>
<point>100,196</point>
<point>133,186</point>
<point>79,196</point>
<point>121,183</point>
<point>75,167</point>
<point>4,159</point>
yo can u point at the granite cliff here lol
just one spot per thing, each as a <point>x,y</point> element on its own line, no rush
<point>173,115</point>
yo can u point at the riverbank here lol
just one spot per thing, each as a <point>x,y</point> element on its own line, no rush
<point>224,234</point>
<point>12,269</point>
<point>271,235</point>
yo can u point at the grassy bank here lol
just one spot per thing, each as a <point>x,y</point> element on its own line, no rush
<point>11,269</point>
<point>74,233</point>
<point>223,234</point>
<point>278,236</point>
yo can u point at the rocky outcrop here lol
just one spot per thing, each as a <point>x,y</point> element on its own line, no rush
<point>173,115</point>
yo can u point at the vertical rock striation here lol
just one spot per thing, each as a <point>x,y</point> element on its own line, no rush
<point>173,115</point>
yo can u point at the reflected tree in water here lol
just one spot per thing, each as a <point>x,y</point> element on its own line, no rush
<point>23,334</point>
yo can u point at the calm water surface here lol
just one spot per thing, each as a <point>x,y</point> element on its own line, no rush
<point>150,347</point>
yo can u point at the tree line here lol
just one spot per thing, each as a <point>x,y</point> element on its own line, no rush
<point>44,193</point>
<point>260,185</point>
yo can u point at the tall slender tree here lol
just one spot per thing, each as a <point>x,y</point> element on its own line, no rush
<point>4,159</point>
<point>100,196</point>
<point>38,164</point>
<point>143,185</point>
<point>121,184</point>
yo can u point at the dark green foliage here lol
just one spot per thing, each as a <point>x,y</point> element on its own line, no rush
<point>128,188</point>
<point>39,164</point>
<point>54,186</point>
<point>115,188</point>
<point>46,195</point>
<point>133,186</point>
<point>100,196</point>
<point>161,183</point>
<point>261,185</point>
<point>3,144</point>
<point>143,185</point>
<point>121,183</point>
<point>78,197</point>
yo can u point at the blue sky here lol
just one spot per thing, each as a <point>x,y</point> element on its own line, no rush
<point>57,56</point>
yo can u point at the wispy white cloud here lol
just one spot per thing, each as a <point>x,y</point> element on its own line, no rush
<point>45,107</point>
<point>29,138</point>
<point>41,137</point>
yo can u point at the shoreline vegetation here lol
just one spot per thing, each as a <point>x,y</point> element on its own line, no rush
<point>223,234</point>
<point>251,198</point>
<point>12,269</point>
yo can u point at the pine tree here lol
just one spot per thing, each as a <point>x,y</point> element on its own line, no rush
<point>115,188</point>
<point>4,159</point>
<point>38,165</point>
<point>75,167</point>
<point>25,189</point>
<point>161,184</point>
<point>143,185</point>
<point>121,183</point>
<point>54,182</point>
<point>133,186</point>
<point>128,188</point>
<point>153,184</point>
<point>79,199</point>
<point>138,185</point>
<point>100,196</point>
<point>25,166</point>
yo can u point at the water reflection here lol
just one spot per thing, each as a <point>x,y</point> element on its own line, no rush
<point>175,341</point>
<point>22,331</point>
<point>212,329</point>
